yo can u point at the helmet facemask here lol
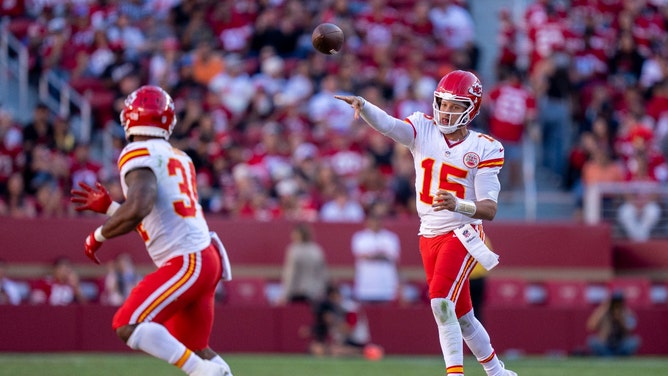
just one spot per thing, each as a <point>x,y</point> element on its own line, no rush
<point>445,116</point>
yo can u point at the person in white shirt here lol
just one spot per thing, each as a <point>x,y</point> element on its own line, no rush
<point>376,251</point>
<point>10,292</point>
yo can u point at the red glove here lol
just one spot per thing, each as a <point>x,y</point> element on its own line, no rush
<point>97,200</point>
<point>92,244</point>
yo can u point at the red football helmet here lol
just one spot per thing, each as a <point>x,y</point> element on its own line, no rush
<point>460,86</point>
<point>148,111</point>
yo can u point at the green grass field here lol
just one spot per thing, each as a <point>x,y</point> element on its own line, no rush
<point>300,365</point>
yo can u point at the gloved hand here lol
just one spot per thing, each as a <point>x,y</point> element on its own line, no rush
<point>97,200</point>
<point>92,244</point>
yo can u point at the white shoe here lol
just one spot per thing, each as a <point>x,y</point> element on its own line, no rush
<point>507,372</point>
<point>209,368</point>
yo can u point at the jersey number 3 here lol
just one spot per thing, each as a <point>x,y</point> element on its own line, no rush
<point>443,182</point>
<point>186,186</point>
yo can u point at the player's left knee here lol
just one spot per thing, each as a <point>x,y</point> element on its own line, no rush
<point>443,310</point>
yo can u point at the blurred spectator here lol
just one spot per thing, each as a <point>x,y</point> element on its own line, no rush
<point>455,29</point>
<point>304,276</point>
<point>10,292</point>
<point>602,167</point>
<point>279,29</point>
<point>340,328</point>
<point>600,136</point>
<point>233,86</point>
<point>512,108</point>
<point>625,64</point>
<point>508,41</point>
<point>376,23</point>
<point>295,205</point>
<point>127,34</point>
<point>207,62</point>
<point>102,54</point>
<point>39,131</point>
<point>12,159</point>
<point>164,64</point>
<point>553,88</point>
<point>232,23</point>
<point>192,25</point>
<point>654,69</point>
<point>376,251</point>
<point>16,202</point>
<point>61,287</point>
<point>49,171</point>
<point>83,168</point>
<point>612,324</point>
<point>121,277</point>
<point>342,207</point>
<point>63,137</point>
<point>328,113</point>
<point>641,210</point>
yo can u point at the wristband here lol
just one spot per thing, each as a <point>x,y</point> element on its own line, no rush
<point>112,208</point>
<point>98,235</point>
<point>466,207</point>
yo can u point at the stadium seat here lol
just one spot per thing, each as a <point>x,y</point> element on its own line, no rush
<point>505,292</point>
<point>245,291</point>
<point>566,293</point>
<point>636,290</point>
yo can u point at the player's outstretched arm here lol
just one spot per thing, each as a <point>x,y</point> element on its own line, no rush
<point>398,130</point>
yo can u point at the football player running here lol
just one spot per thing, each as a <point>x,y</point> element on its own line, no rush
<point>169,314</point>
<point>457,187</point>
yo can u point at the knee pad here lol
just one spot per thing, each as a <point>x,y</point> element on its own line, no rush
<point>443,310</point>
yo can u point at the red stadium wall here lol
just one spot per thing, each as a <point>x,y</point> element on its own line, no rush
<point>532,251</point>
<point>407,330</point>
<point>249,243</point>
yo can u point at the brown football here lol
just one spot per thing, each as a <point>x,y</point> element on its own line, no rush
<point>327,38</point>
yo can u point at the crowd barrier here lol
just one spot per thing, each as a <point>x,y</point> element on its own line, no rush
<point>529,252</point>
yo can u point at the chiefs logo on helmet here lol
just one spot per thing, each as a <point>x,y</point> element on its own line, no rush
<point>476,89</point>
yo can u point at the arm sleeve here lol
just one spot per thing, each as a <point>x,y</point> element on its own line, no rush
<point>398,130</point>
<point>487,185</point>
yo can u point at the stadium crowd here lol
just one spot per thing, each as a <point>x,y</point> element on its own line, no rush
<point>256,109</point>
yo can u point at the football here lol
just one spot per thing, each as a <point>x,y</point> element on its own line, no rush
<point>327,38</point>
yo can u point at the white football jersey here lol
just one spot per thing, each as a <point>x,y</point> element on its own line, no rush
<point>454,167</point>
<point>176,225</point>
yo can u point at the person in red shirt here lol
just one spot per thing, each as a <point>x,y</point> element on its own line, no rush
<point>60,288</point>
<point>512,108</point>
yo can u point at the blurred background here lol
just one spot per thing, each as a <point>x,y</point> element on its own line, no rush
<point>576,91</point>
